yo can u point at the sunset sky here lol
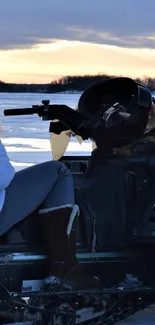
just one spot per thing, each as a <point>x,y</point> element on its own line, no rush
<point>41,40</point>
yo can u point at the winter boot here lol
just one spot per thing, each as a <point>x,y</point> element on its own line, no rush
<point>60,232</point>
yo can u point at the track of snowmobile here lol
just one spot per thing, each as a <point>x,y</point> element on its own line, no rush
<point>143,317</point>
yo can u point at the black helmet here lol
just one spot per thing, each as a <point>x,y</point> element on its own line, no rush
<point>134,96</point>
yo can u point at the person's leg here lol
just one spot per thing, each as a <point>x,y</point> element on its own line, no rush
<point>59,226</point>
<point>48,185</point>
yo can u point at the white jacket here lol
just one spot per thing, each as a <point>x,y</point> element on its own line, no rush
<point>7,173</point>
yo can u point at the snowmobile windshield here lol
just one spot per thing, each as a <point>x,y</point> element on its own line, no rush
<point>95,100</point>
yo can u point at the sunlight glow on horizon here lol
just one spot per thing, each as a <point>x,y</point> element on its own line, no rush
<point>45,62</point>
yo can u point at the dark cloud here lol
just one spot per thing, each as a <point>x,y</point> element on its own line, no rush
<point>128,23</point>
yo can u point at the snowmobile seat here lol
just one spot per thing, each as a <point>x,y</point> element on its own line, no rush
<point>144,227</point>
<point>138,222</point>
<point>139,217</point>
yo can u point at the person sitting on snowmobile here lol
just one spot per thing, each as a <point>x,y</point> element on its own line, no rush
<point>46,188</point>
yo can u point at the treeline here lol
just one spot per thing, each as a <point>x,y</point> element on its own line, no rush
<point>65,84</point>
<point>80,83</point>
<point>22,88</point>
<point>5,87</point>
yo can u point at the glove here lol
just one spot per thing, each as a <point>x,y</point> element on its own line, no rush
<point>57,127</point>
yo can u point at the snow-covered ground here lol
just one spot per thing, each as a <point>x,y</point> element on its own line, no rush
<point>26,138</point>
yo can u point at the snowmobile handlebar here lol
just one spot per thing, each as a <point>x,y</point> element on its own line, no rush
<point>41,110</point>
<point>45,111</point>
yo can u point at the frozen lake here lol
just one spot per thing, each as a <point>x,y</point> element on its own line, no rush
<point>26,138</point>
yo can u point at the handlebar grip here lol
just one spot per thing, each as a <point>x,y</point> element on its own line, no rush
<point>20,111</point>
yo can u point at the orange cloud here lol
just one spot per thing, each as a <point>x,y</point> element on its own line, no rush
<point>44,62</point>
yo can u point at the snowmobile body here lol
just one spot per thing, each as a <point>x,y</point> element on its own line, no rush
<point>115,242</point>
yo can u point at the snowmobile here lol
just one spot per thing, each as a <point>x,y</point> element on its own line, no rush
<point>116,227</point>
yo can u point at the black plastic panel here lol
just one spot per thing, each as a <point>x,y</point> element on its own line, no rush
<point>77,165</point>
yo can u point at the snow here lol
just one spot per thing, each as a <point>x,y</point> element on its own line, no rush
<point>26,138</point>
